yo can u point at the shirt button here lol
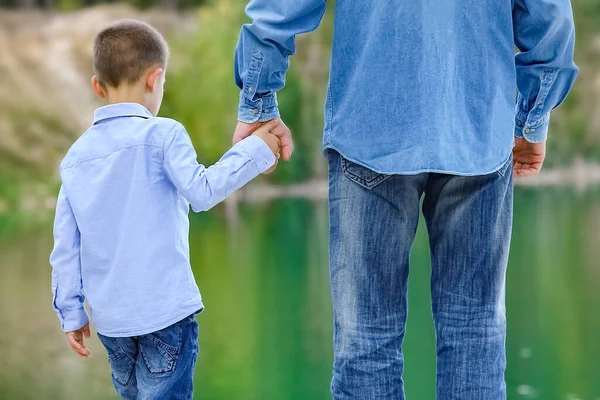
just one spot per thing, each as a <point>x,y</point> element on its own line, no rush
<point>267,110</point>
<point>250,90</point>
<point>527,130</point>
<point>255,111</point>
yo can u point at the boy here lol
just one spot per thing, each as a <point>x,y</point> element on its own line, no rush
<point>121,228</point>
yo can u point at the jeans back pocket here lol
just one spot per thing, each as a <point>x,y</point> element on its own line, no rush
<point>160,350</point>
<point>362,176</point>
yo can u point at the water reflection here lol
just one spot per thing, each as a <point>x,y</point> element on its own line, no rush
<point>266,332</point>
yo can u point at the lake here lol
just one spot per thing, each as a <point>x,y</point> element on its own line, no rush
<point>266,331</point>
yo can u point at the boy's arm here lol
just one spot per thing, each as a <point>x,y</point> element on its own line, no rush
<point>206,187</point>
<point>66,268</point>
<point>263,51</point>
<point>545,35</point>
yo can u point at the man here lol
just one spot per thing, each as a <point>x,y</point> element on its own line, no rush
<point>421,102</point>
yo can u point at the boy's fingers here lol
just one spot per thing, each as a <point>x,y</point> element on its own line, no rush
<point>78,346</point>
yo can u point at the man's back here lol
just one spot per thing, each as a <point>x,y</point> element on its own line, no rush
<point>422,75</point>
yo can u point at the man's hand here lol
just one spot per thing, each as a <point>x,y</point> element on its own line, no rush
<point>75,339</point>
<point>528,158</point>
<point>243,130</point>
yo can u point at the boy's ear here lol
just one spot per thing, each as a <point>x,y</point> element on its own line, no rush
<point>97,88</point>
<point>153,78</point>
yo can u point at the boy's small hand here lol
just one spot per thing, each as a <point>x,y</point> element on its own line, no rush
<point>273,141</point>
<point>75,339</point>
<point>528,158</point>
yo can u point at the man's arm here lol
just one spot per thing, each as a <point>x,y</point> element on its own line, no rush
<point>262,59</point>
<point>206,187</point>
<point>545,35</point>
<point>67,286</point>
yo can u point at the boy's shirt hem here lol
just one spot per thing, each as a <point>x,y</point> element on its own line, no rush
<point>155,327</point>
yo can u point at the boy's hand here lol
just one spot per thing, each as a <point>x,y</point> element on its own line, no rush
<point>243,130</point>
<point>75,339</point>
<point>265,132</point>
<point>528,158</point>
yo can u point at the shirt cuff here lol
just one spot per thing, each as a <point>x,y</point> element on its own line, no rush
<point>259,152</point>
<point>73,320</point>
<point>532,132</point>
<point>260,110</point>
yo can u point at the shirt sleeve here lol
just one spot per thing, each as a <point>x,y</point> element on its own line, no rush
<point>545,36</point>
<point>263,51</point>
<point>67,288</point>
<point>206,187</point>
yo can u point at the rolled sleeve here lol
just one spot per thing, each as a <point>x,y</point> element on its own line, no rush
<point>263,52</point>
<point>545,70</point>
<point>534,131</point>
<point>257,110</point>
<point>261,155</point>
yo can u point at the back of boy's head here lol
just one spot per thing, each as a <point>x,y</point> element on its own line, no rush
<point>125,50</point>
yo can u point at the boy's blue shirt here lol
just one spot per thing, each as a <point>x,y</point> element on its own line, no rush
<point>121,227</point>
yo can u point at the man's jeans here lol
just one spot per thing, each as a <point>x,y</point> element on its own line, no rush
<point>373,221</point>
<point>157,366</point>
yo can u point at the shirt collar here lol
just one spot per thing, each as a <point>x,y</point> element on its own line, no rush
<point>121,110</point>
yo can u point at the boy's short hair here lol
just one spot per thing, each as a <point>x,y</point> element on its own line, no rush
<point>125,49</point>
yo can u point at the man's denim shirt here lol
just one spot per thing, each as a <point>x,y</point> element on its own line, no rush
<point>419,86</point>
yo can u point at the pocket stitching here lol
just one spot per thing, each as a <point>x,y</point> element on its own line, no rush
<point>171,353</point>
<point>367,184</point>
<point>504,168</point>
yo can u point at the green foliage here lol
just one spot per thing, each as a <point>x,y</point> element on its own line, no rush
<point>200,92</point>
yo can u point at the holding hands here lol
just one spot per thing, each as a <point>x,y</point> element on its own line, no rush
<point>274,133</point>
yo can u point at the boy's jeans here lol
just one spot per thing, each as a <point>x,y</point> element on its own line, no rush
<point>157,366</point>
<point>373,220</point>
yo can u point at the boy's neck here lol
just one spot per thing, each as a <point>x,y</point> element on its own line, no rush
<point>126,94</point>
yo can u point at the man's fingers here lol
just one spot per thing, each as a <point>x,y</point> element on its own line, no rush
<point>526,170</point>
<point>243,130</point>
<point>287,147</point>
<point>287,142</point>
<point>86,331</point>
<point>272,124</point>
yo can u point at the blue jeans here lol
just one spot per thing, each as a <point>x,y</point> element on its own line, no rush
<point>373,221</point>
<point>156,366</point>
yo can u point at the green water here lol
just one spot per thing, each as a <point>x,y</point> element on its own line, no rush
<point>266,332</point>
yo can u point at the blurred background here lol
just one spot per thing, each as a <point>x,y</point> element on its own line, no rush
<point>261,258</point>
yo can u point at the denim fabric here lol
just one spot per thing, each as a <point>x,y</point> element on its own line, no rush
<point>155,366</point>
<point>419,86</point>
<point>373,223</point>
<point>121,227</point>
